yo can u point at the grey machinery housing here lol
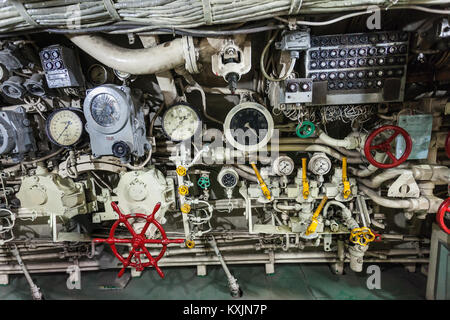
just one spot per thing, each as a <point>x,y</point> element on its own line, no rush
<point>114,122</point>
<point>16,136</point>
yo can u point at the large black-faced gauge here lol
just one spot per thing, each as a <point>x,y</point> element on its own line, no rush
<point>248,126</point>
<point>319,164</point>
<point>181,122</point>
<point>64,127</point>
<point>106,109</point>
<point>228,177</point>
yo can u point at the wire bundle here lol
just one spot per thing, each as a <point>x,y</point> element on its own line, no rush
<point>16,15</point>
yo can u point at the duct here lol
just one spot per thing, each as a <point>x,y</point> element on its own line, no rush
<point>152,60</point>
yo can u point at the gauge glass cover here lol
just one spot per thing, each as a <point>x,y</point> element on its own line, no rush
<point>65,127</point>
<point>181,122</point>
<point>105,110</point>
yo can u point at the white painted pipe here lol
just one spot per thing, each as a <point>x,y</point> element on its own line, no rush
<point>152,60</point>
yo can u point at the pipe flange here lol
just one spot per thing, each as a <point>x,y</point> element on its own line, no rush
<point>190,55</point>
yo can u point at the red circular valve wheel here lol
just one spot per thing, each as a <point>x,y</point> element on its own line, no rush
<point>444,208</point>
<point>385,147</point>
<point>138,241</point>
<point>447,145</point>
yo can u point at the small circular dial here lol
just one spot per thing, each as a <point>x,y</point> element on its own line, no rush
<point>98,74</point>
<point>283,166</point>
<point>229,180</point>
<point>105,110</point>
<point>64,127</point>
<point>181,122</point>
<point>319,164</point>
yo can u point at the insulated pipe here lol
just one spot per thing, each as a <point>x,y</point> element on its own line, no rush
<point>313,148</point>
<point>386,175</point>
<point>152,60</point>
<point>346,214</point>
<point>397,204</point>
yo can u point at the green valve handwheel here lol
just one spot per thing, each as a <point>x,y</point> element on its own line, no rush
<point>203,182</point>
<point>305,129</point>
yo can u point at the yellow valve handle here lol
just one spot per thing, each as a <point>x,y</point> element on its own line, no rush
<point>181,171</point>
<point>190,244</point>
<point>262,184</point>
<point>183,190</point>
<point>362,236</point>
<point>314,223</point>
<point>185,208</point>
<point>347,191</point>
<point>304,180</point>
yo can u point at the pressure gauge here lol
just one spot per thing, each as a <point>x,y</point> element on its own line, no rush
<point>64,127</point>
<point>181,122</point>
<point>319,164</point>
<point>98,74</point>
<point>228,177</point>
<point>106,108</point>
<point>248,126</point>
<point>283,166</point>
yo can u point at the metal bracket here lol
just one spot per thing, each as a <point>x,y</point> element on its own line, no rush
<point>404,187</point>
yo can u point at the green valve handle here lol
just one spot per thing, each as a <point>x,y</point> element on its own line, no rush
<point>305,129</point>
<point>203,182</point>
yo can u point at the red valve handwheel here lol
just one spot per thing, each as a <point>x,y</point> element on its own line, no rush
<point>138,241</point>
<point>447,145</point>
<point>440,215</point>
<point>385,147</point>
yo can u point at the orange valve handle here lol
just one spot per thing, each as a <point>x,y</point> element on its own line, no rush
<point>138,241</point>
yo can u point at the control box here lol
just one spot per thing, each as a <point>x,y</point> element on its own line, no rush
<point>296,91</point>
<point>358,68</point>
<point>61,66</point>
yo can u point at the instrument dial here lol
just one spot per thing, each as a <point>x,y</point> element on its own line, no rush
<point>98,74</point>
<point>283,166</point>
<point>228,177</point>
<point>319,164</point>
<point>105,110</point>
<point>181,122</point>
<point>248,126</point>
<point>64,127</point>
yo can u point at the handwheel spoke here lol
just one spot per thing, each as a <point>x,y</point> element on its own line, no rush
<point>391,138</point>
<point>126,263</point>
<point>130,228</point>
<point>377,146</point>
<point>390,155</point>
<point>160,241</point>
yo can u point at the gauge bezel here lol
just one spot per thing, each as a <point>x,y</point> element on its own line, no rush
<point>96,65</point>
<point>76,111</point>
<point>223,172</point>
<point>315,158</point>
<point>234,111</point>
<point>199,119</point>
<point>122,101</point>
<point>276,165</point>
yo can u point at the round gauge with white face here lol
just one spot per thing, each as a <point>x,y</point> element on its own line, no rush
<point>181,122</point>
<point>98,74</point>
<point>64,127</point>
<point>319,164</point>
<point>105,110</point>
<point>283,166</point>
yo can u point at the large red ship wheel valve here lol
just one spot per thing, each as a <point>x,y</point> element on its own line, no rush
<point>138,241</point>
<point>444,209</point>
<point>385,147</point>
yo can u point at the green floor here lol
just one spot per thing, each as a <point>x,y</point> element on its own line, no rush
<point>289,282</point>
